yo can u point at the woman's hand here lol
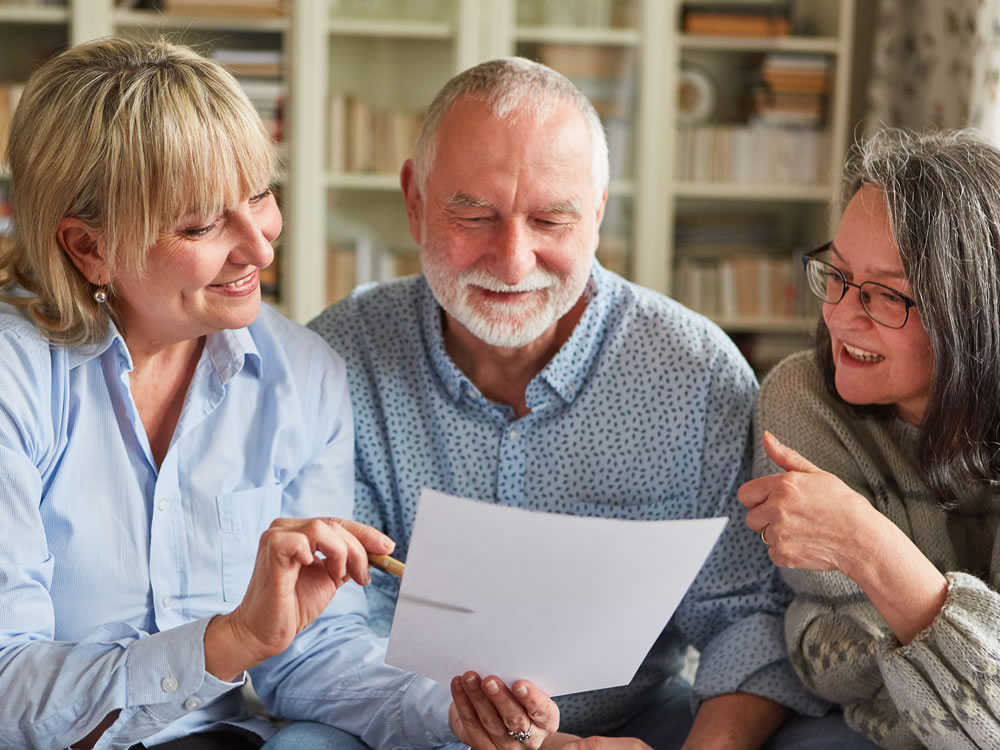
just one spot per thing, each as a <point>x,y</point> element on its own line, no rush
<point>813,520</point>
<point>809,518</point>
<point>485,713</point>
<point>301,562</point>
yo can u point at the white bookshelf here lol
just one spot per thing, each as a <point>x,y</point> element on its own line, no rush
<point>400,62</point>
<point>802,210</point>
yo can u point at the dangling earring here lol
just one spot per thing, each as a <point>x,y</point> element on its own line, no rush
<point>100,295</point>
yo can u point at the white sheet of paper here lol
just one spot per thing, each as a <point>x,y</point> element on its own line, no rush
<point>568,602</point>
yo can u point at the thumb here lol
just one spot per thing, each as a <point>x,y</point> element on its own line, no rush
<point>785,457</point>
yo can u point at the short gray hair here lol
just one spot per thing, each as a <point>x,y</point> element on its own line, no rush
<point>942,193</point>
<point>504,84</point>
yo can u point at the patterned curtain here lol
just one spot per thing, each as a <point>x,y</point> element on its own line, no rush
<point>936,63</point>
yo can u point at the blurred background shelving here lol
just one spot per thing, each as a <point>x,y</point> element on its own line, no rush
<point>719,178</point>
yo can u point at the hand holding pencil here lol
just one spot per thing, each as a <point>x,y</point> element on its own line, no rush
<point>386,564</point>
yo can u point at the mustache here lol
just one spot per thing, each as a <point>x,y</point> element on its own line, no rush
<point>534,281</point>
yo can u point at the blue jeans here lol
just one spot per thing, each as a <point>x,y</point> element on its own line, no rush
<point>309,735</point>
<point>665,724</point>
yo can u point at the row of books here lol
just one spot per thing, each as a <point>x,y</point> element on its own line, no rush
<point>10,94</point>
<point>585,13</point>
<point>752,154</point>
<point>365,139</point>
<point>349,264</point>
<point>766,286</point>
<point>763,19</point>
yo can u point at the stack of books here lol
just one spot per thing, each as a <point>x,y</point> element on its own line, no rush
<point>259,73</point>
<point>737,19</point>
<point>793,90</point>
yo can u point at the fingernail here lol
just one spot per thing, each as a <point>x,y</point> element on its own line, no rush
<point>520,691</point>
<point>491,687</point>
<point>471,681</point>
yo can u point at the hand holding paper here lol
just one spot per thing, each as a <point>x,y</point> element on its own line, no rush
<point>570,603</point>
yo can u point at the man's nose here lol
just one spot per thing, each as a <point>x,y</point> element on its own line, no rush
<point>513,256</point>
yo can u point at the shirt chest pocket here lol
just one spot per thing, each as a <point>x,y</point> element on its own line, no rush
<point>243,517</point>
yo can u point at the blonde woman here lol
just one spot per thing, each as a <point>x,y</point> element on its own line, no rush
<point>171,451</point>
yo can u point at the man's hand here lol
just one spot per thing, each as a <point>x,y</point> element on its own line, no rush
<point>484,713</point>
<point>301,562</point>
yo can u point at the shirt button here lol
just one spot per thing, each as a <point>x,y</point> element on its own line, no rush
<point>514,435</point>
<point>192,704</point>
<point>167,601</point>
<point>169,685</point>
<point>163,505</point>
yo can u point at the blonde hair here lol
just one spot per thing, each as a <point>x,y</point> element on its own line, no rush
<point>129,137</point>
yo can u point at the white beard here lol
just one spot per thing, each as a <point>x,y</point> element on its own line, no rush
<point>506,325</point>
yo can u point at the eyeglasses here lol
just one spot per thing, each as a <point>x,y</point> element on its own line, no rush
<point>882,304</point>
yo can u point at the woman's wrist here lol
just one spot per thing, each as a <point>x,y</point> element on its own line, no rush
<point>227,653</point>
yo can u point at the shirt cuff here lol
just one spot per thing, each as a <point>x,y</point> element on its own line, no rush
<point>750,657</point>
<point>169,668</point>
<point>425,713</point>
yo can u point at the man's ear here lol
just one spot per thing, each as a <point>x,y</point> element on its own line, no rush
<point>601,205</point>
<point>414,200</point>
<point>85,248</point>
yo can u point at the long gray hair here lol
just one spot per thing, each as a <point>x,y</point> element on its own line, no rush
<point>942,191</point>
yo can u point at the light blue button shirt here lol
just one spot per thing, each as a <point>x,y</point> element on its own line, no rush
<point>644,413</point>
<point>110,568</point>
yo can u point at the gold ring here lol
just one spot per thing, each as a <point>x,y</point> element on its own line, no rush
<point>762,532</point>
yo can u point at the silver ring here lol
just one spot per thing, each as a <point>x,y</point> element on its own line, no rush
<point>522,736</point>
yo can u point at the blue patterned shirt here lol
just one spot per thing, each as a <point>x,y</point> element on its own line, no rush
<point>644,413</point>
<point>111,567</point>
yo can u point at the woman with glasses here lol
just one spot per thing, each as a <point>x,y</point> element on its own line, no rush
<point>878,455</point>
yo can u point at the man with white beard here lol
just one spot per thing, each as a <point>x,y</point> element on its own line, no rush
<point>517,370</point>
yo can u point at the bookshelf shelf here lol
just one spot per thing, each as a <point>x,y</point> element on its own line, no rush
<point>389,29</point>
<point>819,45</point>
<point>766,325</point>
<point>576,35</point>
<point>29,14</point>
<point>376,182</point>
<point>746,194</point>
<point>151,19</point>
<point>754,192</point>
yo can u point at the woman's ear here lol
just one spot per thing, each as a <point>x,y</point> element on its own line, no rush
<point>84,246</point>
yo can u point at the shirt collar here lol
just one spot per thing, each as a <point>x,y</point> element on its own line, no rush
<point>565,373</point>
<point>232,349</point>
<point>227,350</point>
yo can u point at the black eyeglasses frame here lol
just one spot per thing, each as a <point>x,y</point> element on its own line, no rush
<point>811,257</point>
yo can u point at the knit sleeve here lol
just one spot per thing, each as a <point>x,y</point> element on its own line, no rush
<point>946,682</point>
<point>940,691</point>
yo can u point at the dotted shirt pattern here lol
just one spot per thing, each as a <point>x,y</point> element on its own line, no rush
<point>644,413</point>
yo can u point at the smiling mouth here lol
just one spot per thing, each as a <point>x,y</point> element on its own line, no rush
<point>862,355</point>
<point>238,282</point>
